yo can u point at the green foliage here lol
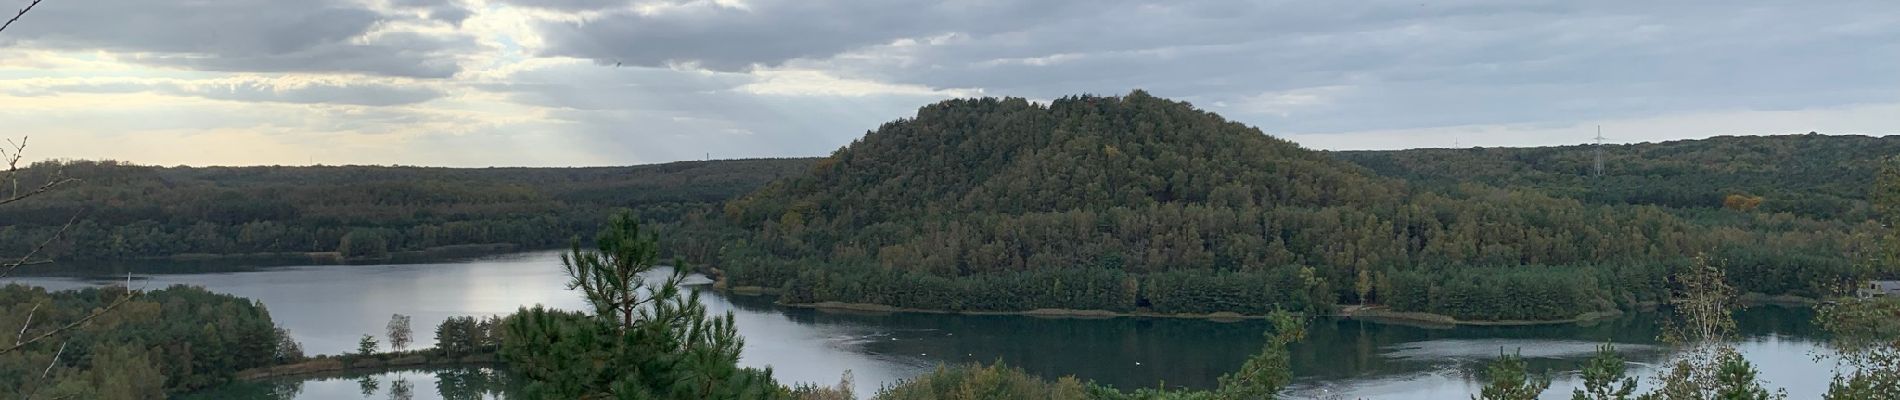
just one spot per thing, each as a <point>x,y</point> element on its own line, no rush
<point>1736,380</point>
<point>163,342</point>
<point>366,346</point>
<point>467,335</point>
<point>1605,377</point>
<point>1886,200</point>
<point>1206,215</point>
<point>643,341</point>
<point>1865,335</point>
<point>363,243</point>
<point>1706,365</point>
<point>1523,293</point>
<point>1510,381</point>
<point>996,381</point>
<point>1866,331</point>
<point>1820,176</point>
<point>1269,371</point>
<point>134,211</point>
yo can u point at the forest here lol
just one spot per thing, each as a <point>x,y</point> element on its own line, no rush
<point>1814,176</point>
<point>126,211</point>
<point>158,343</point>
<point>1128,204</point>
<point>1138,202</point>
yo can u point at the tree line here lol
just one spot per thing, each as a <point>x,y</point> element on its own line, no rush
<point>162,342</point>
<point>932,211</point>
<point>124,211</point>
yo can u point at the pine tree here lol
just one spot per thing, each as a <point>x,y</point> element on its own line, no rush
<point>1269,371</point>
<point>644,340</point>
<point>1510,381</point>
<point>1604,377</point>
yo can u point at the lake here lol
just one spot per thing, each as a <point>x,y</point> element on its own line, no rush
<point>328,307</point>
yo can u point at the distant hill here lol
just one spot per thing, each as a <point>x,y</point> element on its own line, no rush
<point>1140,203</point>
<point>131,211</point>
<point>1821,176</point>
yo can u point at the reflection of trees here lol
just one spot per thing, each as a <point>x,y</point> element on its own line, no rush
<point>368,384</point>
<point>466,383</point>
<point>285,390</point>
<point>401,390</point>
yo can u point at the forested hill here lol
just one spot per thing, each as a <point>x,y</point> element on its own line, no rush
<point>1822,176</point>
<point>130,211</point>
<point>1141,203</point>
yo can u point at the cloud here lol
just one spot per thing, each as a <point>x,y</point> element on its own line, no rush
<point>448,82</point>
<point>736,35</point>
<point>365,92</point>
<point>1409,64</point>
<point>658,114</point>
<point>1863,119</point>
<point>250,35</point>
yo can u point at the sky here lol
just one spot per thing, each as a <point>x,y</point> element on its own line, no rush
<point>472,83</point>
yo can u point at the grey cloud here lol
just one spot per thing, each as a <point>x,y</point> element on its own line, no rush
<point>770,32</point>
<point>395,54</point>
<point>450,11</point>
<point>348,93</point>
<point>241,35</point>
<point>1287,66</point>
<point>654,114</point>
<point>1411,64</point>
<point>353,93</point>
<point>571,5</point>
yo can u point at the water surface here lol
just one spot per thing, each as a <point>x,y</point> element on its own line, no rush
<point>328,307</point>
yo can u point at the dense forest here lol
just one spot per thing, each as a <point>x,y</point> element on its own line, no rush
<point>126,211</point>
<point>161,342</point>
<point>1141,203</point>
<point>1816,176</point>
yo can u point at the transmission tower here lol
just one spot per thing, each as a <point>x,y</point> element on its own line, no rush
<point>1599,151</point>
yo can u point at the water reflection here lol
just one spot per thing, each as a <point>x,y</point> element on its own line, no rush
<point>422,384</point>
<point>328,307</point>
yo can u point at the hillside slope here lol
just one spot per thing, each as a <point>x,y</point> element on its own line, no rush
<point>131,211</point>
<point>1136,202</point>
<point>1819,176</point>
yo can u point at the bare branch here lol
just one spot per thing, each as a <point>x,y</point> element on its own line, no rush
<point>129,295</point>
<point>16,17</point>
<point>27,324</point>
<point>28,258</point>
<point>50,364</point>
<point>42,189</point>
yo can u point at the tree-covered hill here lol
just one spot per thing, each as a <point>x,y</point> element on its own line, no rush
<point>1821,176</point>
<point>1136,202</point>
<point>130,211</point>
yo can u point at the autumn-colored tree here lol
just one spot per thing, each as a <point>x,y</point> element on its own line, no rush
<point>1741,202</point>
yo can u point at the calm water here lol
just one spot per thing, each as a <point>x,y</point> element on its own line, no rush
<point>328,307</point>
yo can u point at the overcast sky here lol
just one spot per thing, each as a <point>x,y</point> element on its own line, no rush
<point>601,82</point>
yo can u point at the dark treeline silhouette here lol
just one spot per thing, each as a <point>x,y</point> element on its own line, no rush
<point>1124,203</point>
<point>131,211</point>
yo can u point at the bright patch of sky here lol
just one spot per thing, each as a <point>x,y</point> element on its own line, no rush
<point>614,82</point>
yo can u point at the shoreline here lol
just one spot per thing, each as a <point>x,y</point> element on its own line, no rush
<point>204,262</point>
<point>1375,314</point>
<point>384,361</point>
